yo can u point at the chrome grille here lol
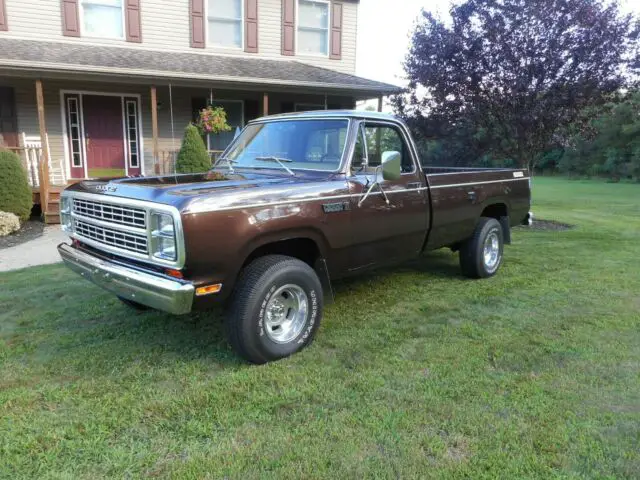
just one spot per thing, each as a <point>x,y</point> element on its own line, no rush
<point>132,242</point>
<point>129,216</point>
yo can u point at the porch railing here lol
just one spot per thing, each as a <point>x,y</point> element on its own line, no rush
<point>30,157</point>
<point>166,161</point>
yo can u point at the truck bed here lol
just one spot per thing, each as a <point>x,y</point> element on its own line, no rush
<point>459,196</point>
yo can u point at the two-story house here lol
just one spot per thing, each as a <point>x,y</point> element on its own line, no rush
<point>105,87</point>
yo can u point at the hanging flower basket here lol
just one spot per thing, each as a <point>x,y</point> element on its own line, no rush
<point>213,120</point>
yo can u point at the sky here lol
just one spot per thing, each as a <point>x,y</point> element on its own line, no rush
<point>383,34</point>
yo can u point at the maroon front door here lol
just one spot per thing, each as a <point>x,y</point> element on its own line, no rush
<point>104,136</point>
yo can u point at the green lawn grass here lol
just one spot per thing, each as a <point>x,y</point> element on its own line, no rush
<point>416,372</point>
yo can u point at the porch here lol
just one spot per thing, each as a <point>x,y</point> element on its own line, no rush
<point>115,112</point>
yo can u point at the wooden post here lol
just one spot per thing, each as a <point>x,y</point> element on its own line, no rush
<point>265,104</point>
<point>43,163</point>
<point>154,129</point>
<point>380,103</point>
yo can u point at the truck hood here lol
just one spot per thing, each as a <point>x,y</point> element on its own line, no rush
<point>213,188</point>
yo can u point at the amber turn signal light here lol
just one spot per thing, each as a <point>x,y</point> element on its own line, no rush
<point>208,290</point>
<point>174,273</point>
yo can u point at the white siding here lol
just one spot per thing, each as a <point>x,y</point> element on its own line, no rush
<point>166,26</point>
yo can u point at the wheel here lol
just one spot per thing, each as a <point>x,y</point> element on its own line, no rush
<point>481,255</point>
<point>135,305</point>
<point>275,309</point>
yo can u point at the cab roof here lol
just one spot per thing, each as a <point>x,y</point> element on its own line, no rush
<point>357,114</point>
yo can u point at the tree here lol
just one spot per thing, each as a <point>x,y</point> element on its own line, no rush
<point>609,144</point>
<point>15,193</point>
<point>193,156</point>
<point>514,72</point>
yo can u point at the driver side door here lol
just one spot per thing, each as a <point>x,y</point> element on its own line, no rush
<point>385,233</point>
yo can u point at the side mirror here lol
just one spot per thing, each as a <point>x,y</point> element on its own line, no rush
<point>391,165</point>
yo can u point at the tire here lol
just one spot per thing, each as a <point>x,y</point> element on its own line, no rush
<point>135,305</point>
<point>266,318</point>
<point>473,261</point>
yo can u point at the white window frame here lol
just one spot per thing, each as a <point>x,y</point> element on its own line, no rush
<point>321,55</point>
<point>83,143</point>
<point>80,128</point>
<point>222,102</point>
<point>136,128</point>
<point>206,28</point>
<point>97,2</point>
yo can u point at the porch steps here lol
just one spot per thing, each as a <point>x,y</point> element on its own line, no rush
<point>52,215</point>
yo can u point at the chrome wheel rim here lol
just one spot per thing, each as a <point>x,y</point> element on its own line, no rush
<point>491,251</point>
<point>286,313</point>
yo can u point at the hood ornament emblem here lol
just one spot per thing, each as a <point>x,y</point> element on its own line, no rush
<point>106,188</point>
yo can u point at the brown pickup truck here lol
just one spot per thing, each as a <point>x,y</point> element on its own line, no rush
<point>295,202</point>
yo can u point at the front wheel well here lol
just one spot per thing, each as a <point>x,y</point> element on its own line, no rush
<point>303,249</point>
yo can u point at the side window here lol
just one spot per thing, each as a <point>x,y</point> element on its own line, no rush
<point>383,138</point>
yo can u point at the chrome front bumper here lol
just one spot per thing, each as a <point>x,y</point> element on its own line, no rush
<point>170,296</point>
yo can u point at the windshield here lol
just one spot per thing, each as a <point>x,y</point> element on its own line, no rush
<point>302,144</point>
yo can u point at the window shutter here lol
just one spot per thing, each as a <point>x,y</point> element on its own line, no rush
<point>251,26</point>
<point>70,18</point>
<point>336,31</point>
<point>197,23</point>
<point>3,17</point>
<point>133,21</point>
<point>288,27</point>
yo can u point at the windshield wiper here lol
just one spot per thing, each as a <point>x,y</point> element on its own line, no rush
<point>279,161</point>
<point>229,163</point>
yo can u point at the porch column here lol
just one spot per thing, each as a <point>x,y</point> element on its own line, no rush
<point>380,103</point>
<point>43,164</point>
<point>154,129</point>
<point>265,104</point>
<point>326,102</point>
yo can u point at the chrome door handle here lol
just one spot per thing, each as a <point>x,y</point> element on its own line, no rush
<point>472,196</point>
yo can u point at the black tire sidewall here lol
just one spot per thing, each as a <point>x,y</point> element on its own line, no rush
<point>254,328</point>
<point>492,225</point>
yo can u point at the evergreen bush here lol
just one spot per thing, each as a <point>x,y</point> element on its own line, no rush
<point>193,156</point>
<point>15,193</point>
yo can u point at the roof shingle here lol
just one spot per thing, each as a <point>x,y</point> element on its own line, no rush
<point>69,57</point>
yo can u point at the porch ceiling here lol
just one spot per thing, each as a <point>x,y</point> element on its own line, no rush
<point>65,58</point>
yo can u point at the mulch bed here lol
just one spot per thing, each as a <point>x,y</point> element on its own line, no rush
<point>30,230</point>
<point>548,225</point>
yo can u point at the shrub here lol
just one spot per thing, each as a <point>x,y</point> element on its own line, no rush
<point>193,156</point>
<point>9,223</point>
<point>15,193</point>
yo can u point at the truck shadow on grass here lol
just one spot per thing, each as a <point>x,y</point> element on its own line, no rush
<point>93,330</point>
<point>437,264</point>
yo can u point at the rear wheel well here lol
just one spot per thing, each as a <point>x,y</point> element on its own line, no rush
<point>500,212</point>
<point>496,211</point>
<point>303,249</point>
